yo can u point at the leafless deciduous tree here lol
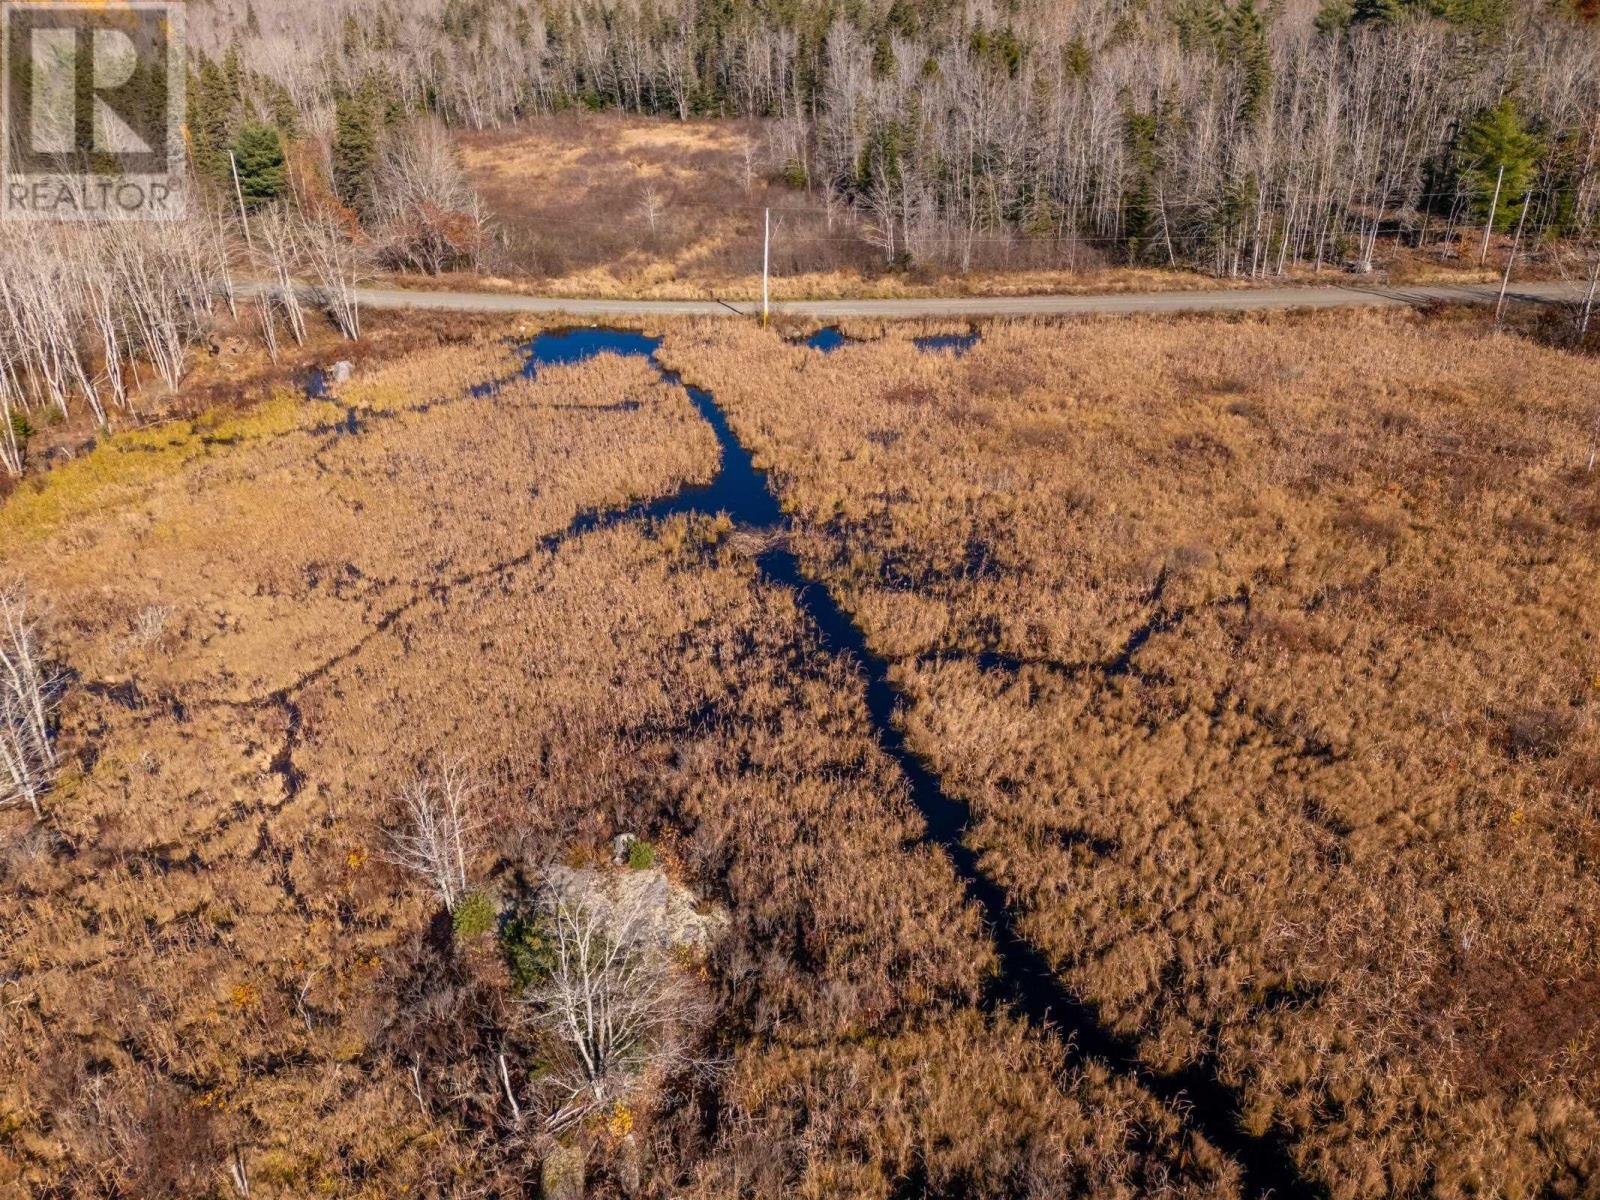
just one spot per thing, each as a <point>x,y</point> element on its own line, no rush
<point>12,413</point>
<point>276,241</point>
<point>438,834</point>
<point>168,288</point>
<point>39,329</point>
<point>102,296</point>
<point>614,1006</point>
<point>337,254</point>
<point>428,216</point>
<point>29,693</point>
<point>652,203</point>
<point>1188,130</point>
<point>78,304</point>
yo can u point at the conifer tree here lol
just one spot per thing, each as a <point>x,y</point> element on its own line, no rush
<point>259,153</point>
<point>1497,141</point>
<point>1379,12</point>
<point>1335,15</point>
<point>210,121</point>
<point>1140,210</point>
<point>233,75</point>
<point>358,125</point>
<point>1249,37</point>
<point>354,152</point>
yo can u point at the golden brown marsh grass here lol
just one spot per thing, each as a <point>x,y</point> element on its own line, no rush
<point>287,554</point>
<point>207,956</point>
<point>1263,651</point>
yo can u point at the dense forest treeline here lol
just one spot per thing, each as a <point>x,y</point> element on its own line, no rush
<point>1241,138</point>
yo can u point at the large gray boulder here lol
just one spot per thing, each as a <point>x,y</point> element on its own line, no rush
<point>561,1174</point>
<point>642,906</point>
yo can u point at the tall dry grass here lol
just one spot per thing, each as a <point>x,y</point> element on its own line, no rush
<point>209,966</point>
<point>292,552</point>
<point>604,205</point>
<point>1262,649</point>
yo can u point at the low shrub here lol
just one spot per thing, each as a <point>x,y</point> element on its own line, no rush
<point>474,917</point>
<point>528,946</point>
<point>641,856</point>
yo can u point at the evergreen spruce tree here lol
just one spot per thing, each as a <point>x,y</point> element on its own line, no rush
<point>259,152</point>
<point>1249,38</point>
<point>883,56</point>
<point>1140,213</point>
<point>211,122</point>
<point>904,19</point>
<point>1379,12</point>
<point>1078,58</point>
<point>233,75</point>
<point>1198,23</point>
<point>281,105</point>
<point>1335,15</point>
<point>1498,140</point>
<point>355,148</point>
<point>1481,16</point>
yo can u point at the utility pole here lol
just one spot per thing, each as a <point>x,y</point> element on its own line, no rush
<point>1516,240</point>
<point>766,265</point>
<point>239,195</point>
<point>1494,209</point>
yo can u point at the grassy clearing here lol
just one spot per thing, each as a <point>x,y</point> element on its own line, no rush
<point>572,196</point>
<point>568,194</point>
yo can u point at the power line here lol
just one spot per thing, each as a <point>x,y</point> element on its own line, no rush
<point>1274,193</point>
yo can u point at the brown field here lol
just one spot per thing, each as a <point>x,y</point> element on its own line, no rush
<point>271,619</point>
<point>1265,653</point>
<point>566,194</point>
<point>1262,650</point>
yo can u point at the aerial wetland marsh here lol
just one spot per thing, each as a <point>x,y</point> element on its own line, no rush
<point>1129,758</point>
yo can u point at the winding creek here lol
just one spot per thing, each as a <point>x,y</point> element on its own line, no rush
<point>831,338</point>
<point>1024,982</point>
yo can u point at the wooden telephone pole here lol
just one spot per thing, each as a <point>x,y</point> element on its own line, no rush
<point>766,266</point>
<point>1505,281</point>
<point>1494,211</point>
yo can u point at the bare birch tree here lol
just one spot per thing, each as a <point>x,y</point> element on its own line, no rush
<point>166,287</point>
<point>336,253</point>
<point>427,215</point>
<point>29,694</point>
<point>614,1007</point>
<point>38,318</point>
<point>12,415</point>
<point>438,834</point>
<point>652,203</point>
<point>102,296</point>
<point>276,244</point>
<point>1313,147</point>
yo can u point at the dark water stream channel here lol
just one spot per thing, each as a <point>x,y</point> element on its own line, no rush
<point>831,338</point>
